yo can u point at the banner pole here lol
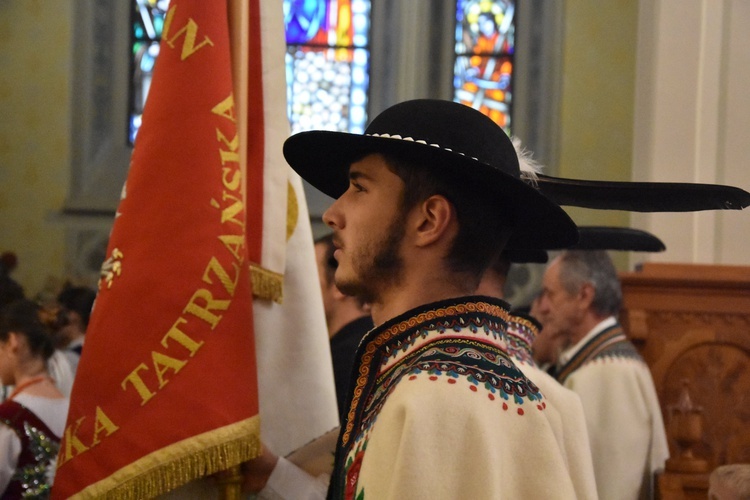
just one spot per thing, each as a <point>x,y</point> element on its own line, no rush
<point>230,480</point>
<point>230,483</point>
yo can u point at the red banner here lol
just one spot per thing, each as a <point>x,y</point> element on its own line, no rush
<point>166,389</point>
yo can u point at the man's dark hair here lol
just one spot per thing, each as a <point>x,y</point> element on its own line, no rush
<point>482,232</point>
<point>501,265</point>
<point>330,262</point>
<point>79,299</point>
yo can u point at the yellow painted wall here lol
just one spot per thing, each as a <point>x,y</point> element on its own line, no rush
<point>35,61</point>
<point>598,94</point>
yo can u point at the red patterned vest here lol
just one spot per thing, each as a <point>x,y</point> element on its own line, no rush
<point>39,446</point>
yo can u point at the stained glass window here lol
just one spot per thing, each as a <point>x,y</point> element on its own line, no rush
<point>147,21</point>
<point>327,64</point>
<point>483,70</point>
<point>327,61</point>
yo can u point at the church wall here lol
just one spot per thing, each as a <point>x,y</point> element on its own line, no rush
<point>692,117</point>
<point>34,135</point>
<point>598,92</point>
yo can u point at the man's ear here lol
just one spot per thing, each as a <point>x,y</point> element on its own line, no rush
<point>436,217</point>
<point>14,341</point>
<point>586,295</point>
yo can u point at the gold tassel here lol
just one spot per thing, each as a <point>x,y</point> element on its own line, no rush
<point>267,284</point>
<point>172,473</point>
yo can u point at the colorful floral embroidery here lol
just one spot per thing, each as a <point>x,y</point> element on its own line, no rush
<point>519,337</point>
<point>463,342</point>
<point>481,364</point>
<point>381,341</point>
<point>354,465</point>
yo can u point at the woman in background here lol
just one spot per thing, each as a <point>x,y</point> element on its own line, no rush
<point>32,418</point>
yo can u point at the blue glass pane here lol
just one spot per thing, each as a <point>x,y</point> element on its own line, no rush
<point>305,20</point>
<point>327,64</point>
<point>158,23</point>
<point>149,18</point>
<point>148,58</point>
<point>148,23</point>
<point>485,27</point>
<point>340,23</point>
<point>133,126</point>
<point>327,89</point>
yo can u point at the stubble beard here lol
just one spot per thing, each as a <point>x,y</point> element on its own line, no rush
<point>378,266</point>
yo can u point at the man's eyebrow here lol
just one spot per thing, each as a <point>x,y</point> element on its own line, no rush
<point>357,174</point>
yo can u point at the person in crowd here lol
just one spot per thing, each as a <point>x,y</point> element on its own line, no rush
<point>547,344</point>
<point>426,199</point>
<point>581,299</point>
<point>10,289</point>
<point>32,418</point>
<point>729,482</point>
<point>58,364</point>
<point>76,303</point>
<point>565,408</point>
<point>348,319</point>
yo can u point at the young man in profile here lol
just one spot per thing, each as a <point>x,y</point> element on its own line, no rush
<point>426,199</point>
<point>348,318</point>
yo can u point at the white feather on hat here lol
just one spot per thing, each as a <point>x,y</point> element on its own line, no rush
<point>528,165</point>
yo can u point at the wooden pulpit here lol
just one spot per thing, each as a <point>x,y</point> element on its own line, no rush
<point>691,324</point>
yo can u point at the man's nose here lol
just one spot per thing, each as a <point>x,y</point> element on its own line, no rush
<point>543,306</point>
<point>332,216</point>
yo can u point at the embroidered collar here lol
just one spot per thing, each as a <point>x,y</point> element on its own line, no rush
<point>570,352</point>
<point>399,333</point>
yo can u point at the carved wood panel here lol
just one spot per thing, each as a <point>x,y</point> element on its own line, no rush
<point>691,324</point>
<point>718,383</point>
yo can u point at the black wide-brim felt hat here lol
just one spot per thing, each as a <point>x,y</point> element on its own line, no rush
<point>594,238</point>
<point>618,238</point>
<point>454,139</point>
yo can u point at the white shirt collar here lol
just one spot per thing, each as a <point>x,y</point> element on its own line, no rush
<point>568,353</point>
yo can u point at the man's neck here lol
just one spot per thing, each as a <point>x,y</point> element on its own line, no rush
<point>572,349</point>
<point>492,285</point>
<point>417,291</point>
<point>589,323</point>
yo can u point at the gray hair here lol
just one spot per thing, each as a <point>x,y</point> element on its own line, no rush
<point>579,267</point>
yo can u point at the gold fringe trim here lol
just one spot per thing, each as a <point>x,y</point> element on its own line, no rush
<point>267,284</point>
<point>292,210</point>
<point>180,463</point>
